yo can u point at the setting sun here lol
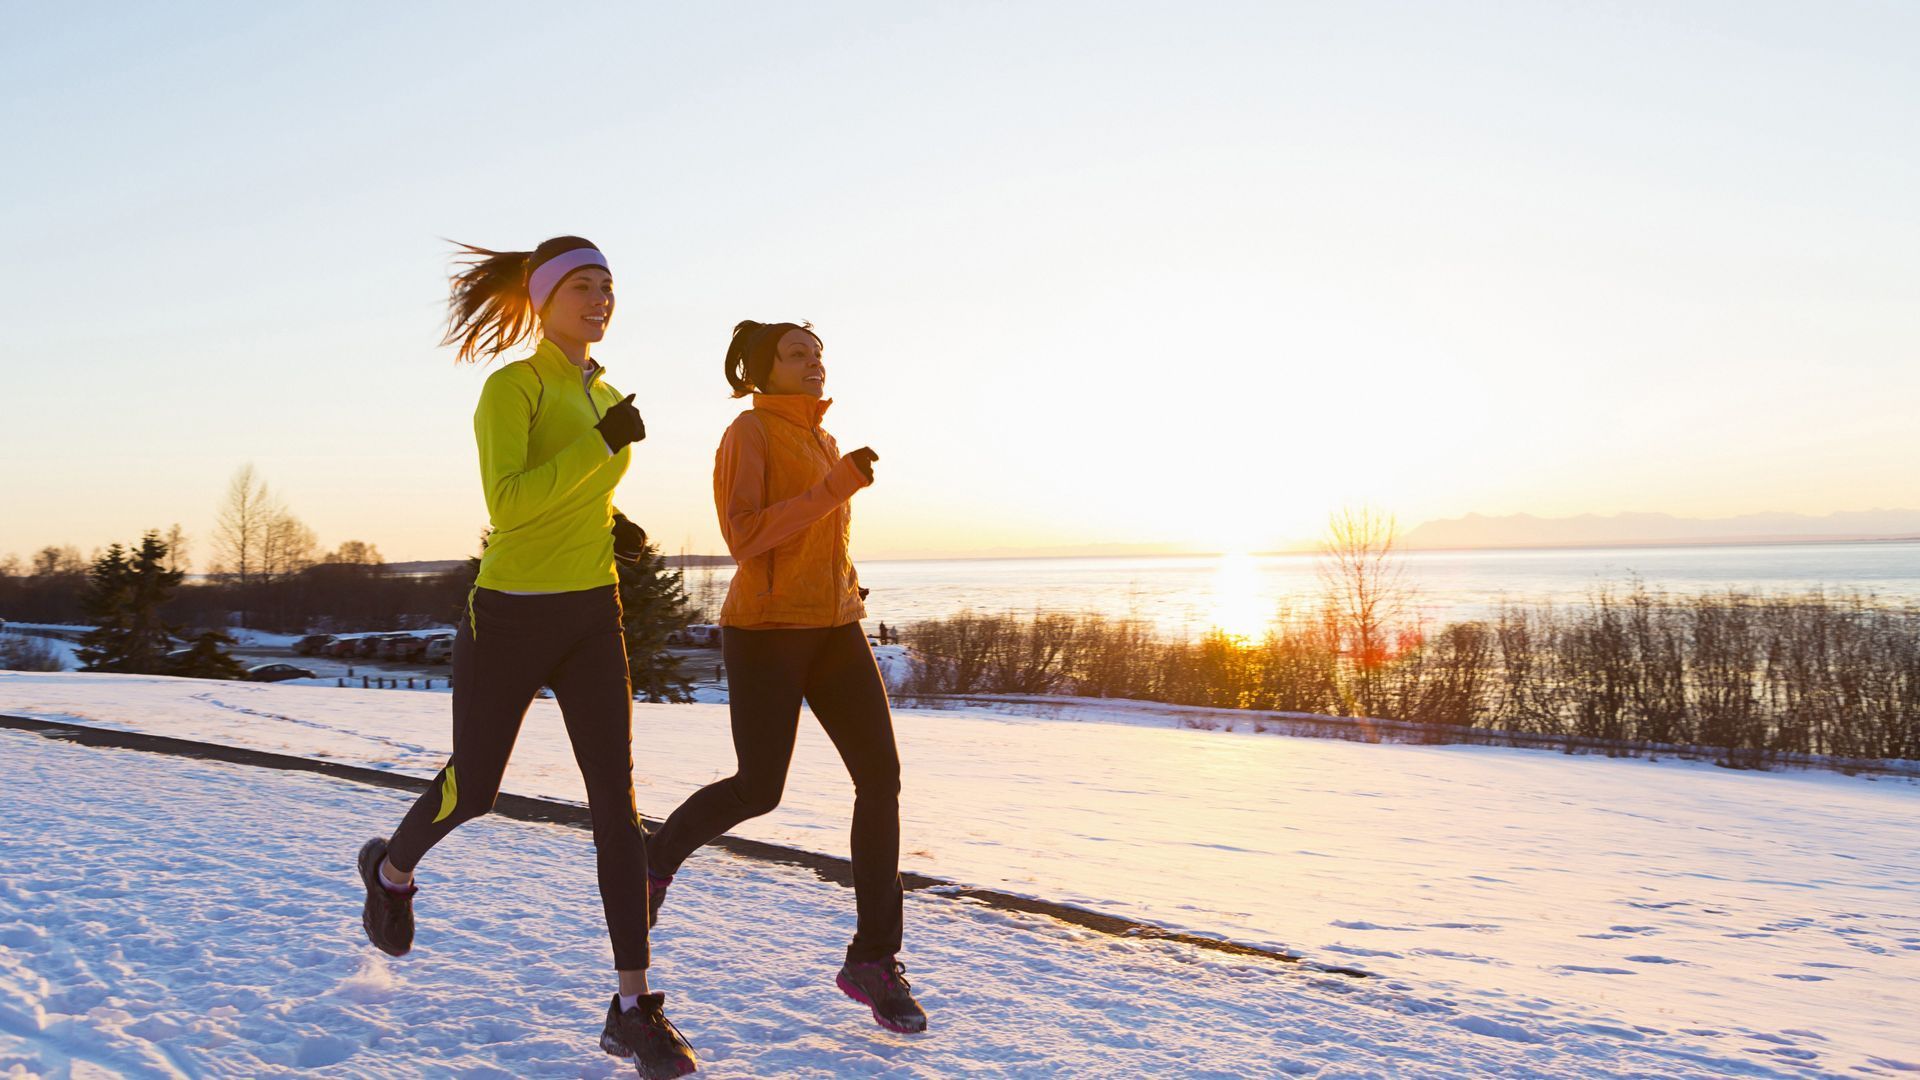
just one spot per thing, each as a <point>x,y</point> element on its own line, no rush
<point>1239,606</point>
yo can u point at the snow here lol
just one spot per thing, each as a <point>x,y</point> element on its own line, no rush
<point>261,639</point>
<point>895,663</point>
<point>1580,912</point>
<point>120,959</point>
<point>67,651</point>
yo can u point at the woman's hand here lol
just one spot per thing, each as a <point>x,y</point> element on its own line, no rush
<point>622,425</point>
<point>863,460</point>
<point>629,540</point>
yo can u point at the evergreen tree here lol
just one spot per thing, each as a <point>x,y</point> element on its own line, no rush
<point>205,660</point>
<point>124,592</point>
<point>654,604</point>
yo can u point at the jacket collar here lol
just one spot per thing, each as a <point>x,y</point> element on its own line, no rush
<point>802,409</point>
<point>551,363</point>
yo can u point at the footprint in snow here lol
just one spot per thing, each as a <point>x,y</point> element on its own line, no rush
<point>1481,1025</point>
<point>1470,958</point>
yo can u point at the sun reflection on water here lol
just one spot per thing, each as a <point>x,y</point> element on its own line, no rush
<point>1239,607</point>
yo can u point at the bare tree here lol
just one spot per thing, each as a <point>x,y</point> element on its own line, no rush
<point>240,531</point>
<point>705,595</point>
<point>355,553</point>
<point>1364,586</point>
<point>286,545</point>
<point>177,561</point>
<point>709,592</point>
<point>64,561</point>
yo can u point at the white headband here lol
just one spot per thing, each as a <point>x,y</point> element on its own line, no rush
<point>542,282</point>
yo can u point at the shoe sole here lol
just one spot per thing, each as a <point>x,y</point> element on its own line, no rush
<point>367,872</point>
<point>678,1067</point>
<point>848,988</point>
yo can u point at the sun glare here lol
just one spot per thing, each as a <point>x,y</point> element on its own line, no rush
<point>1238,607</point>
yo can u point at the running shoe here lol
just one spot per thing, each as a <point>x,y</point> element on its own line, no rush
<point>644,1034</point>
<point>881,985</point>
<point>388,915</point>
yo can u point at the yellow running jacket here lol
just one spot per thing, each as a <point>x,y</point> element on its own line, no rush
<point>548,476</point>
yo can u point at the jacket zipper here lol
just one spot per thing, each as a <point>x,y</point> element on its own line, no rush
<point>586,387</point>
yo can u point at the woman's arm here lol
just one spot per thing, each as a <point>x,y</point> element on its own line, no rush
<point>750,526</point>
<point>517,494</point>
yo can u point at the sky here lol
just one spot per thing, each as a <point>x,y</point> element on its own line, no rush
<point>1190,275</point>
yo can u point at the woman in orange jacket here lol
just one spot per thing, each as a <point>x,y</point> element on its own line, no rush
<point>790,632</point>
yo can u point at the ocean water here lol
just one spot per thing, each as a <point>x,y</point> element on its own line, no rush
<point>1189,594</point>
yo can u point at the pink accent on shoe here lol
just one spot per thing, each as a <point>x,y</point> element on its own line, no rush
<point>854,992</point>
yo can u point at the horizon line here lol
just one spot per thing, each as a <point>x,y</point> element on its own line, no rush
<point>1789,541</point>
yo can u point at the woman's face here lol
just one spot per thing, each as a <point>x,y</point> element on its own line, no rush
<point>797,366</point>
<point>581,307</point>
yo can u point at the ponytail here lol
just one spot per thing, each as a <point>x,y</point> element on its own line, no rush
<point>751,353</point>
<point>489,309</point>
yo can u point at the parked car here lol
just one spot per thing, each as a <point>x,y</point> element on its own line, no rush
<point>705,635</point>
<point>342,648</point>
<point>437,650</point>
<point>422,643</point>
<point>277,673</point>
<point>396,646</point>
<point>369,646</point>
<point>312,644</point>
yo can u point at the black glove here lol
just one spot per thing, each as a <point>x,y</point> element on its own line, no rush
<point>629,540</point>
<point>622,425</point>
<point>863,460</point>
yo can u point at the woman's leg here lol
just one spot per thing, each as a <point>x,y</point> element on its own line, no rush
<point>496,672</point>
<point>766,677</point>
<point>845,691</point>
<point>596,699</point>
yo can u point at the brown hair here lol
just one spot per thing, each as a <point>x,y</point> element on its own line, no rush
<point>751,353</point>
<point>489,310</point>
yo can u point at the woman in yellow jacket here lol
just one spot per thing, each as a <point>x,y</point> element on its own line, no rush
<point>790,632</point>
<point>554,440</point>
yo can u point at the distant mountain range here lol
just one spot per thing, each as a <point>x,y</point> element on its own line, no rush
<point>1526,530</point>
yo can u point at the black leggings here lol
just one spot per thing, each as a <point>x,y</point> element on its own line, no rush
<point>504,653</point>
<point>769,672</point>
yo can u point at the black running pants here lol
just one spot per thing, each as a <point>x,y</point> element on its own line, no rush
<point>508,648</point>
<point>769,673</point>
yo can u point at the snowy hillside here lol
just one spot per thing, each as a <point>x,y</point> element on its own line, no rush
<point>1528,912</point>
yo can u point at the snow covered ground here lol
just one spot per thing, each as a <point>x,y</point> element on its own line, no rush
<point>1530,913</point>
<point>262,639</point>
<point>163,917</point>
<point>67,652</point>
